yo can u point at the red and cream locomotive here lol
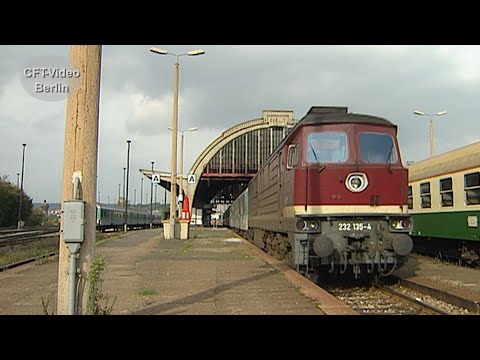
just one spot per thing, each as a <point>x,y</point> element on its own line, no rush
<point>331,197</point>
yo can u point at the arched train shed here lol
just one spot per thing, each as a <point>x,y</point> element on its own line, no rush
<point>224,168</point>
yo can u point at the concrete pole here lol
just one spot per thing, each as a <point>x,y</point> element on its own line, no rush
<point>432,145</point>
<point>19,224</point>
<point>141,192</point>
<point>125,226</point>
<point>124,174</point>
<point>180,203</point>
<point>151,199</point>
<point>80,157</point>
<point>173,179</point>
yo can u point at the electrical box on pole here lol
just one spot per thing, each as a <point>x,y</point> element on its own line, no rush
<point>74,221</point>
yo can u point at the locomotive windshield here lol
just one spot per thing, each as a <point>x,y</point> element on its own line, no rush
<point>327,147</point>
<point>377,148</point>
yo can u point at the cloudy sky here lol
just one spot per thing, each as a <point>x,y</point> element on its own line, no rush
<point>228,85</point>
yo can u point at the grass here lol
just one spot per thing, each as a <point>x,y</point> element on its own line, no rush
<point>22,252</point>
<point>98,302</point>
<point>27,251</point>
<point>186,246</point>
<point>103,237</point>
<point>199,232</point>
<point>50,300</point>
<point>147,292</point>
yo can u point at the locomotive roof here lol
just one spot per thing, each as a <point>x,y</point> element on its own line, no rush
<point>456,160</point>
<point>332,115</point>
<point>338,114</point>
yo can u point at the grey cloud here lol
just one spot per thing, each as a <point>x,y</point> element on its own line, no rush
<point>232,84</point>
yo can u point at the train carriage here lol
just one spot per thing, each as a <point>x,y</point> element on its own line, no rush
<point>332,196</point>
<point>112,217</point>
<point>444,200</point>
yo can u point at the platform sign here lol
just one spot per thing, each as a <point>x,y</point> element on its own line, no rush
<point>156,178</point>
<point>472,221</point>
<point>191,178</point>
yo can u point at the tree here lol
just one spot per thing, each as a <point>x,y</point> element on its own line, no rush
<point>9,201</point>
<point>36,218</point>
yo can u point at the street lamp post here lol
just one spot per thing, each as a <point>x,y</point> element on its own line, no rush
<point>432,140</point>
<point>123,182</point>
<point>126,187</point>
<point>18,180</point>
<point>151,199</point>
<point>141,194</point>
<point>181,163</point>
<point>173,179</point>
<point>118,202</point>
<point>19,224</point>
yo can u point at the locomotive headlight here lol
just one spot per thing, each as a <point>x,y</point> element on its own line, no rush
<point>400,224</point>
<point>312,225</point>
<point>307,225</point>
<point>301,225</point>
<point>396,224</point>
<point>406,224</point>
<point>356,182</point>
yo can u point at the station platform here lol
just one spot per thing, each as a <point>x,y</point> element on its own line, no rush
<point>458,285</point>
<point>215,272</point>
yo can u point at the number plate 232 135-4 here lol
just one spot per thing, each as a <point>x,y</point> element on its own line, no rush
<point>354,226</point>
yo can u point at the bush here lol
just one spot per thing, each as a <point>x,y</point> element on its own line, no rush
<point>9,201</point>
<point>37,217</point>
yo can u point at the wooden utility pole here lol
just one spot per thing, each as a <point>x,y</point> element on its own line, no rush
<point>80,160</point>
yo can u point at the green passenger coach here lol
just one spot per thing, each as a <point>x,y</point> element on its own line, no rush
<point>444,200</point>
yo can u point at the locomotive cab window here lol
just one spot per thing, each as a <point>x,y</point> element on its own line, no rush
<point>425,195</point>
<point>377,148</point>
<point>327,147</point>
<point>446,192</point>
<point>410,198</point>
<point>292,156</point>
<point>472,188</point>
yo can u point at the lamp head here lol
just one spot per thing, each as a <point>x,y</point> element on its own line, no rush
<point>196,52</point>
<point>158,51</point>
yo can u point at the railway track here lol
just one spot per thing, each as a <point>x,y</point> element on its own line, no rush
<point>23,237</point>
<point>26,261</point>
<point>383,299</point>
<point>412,301</point>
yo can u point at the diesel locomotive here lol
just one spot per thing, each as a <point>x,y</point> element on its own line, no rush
<point>331,198</point>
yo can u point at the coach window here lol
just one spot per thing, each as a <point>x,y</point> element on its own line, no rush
<point>292,156</point>
<point>327,147</point>
<point>425,195</point>
<point>446,192</point>
<point>472,188</point>
<point>410,198</point>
